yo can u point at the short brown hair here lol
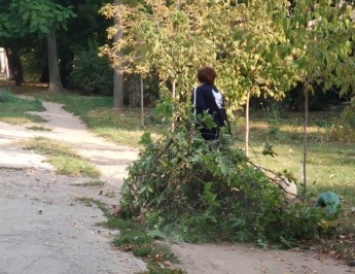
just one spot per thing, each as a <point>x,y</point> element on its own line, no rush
<point>206,75</point>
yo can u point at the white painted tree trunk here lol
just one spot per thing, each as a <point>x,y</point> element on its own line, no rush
<point>3,61</point>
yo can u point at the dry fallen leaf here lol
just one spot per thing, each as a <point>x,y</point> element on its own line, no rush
<point>127,248</point>
<point>159,257</point>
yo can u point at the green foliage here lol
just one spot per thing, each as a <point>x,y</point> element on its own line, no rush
<point>19,18</point>
<point>92,74</point>
<point>344,130</point>
<point>33,62</point>
<point>186,187</point>
<point>348,116</point>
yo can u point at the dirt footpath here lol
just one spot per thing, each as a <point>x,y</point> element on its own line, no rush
<point>44,229</point>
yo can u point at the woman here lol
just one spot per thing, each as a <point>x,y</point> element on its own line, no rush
<point>206,97</point>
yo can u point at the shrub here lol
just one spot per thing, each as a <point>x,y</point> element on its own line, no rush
<point>197,191</point>
<point>348,116</point>
<point>92,74</point>
<point>344,130</point>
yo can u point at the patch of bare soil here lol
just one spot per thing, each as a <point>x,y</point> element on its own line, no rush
<point>44,229</point>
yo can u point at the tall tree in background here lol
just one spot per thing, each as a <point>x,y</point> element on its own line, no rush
<point>118,73</point>
<point>86,32</point>
<point>55,82</point>
<point>40,17</point>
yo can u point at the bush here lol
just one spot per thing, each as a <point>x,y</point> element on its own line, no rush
<point>348,116</point>
<point>92,74</point>
<point>344,130</point>
<point>187,187</point>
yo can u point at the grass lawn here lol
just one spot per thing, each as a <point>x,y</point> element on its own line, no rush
<point>15,110</point>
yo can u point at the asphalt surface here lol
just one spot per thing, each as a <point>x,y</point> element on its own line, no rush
<point>44,228</point>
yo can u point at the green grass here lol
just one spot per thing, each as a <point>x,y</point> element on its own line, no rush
<point>62,156</point>
<point>39,128</point>
<point>89,202</point>
<point>93,183</point>
<point>14,110</point>
<point>134,238</point>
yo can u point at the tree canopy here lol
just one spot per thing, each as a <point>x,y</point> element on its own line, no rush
<point>19,18</point>
<point>258,47</point>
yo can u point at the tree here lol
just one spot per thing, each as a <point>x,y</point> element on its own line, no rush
<point>161,37</point>
<point>86,30</point>
<point>319,39</point>
<point>118,74</point>
<point>55,82</point>
<point>250,65</point>
<point>301,43</point>
<point>41,17</point>
<point>176,38</point>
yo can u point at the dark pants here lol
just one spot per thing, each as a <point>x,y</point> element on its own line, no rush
<point>210,134</point>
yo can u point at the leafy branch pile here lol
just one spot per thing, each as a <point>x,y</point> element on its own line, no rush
<point>193,190</point>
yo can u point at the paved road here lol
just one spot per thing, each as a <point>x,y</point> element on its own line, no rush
<point>44,228</point>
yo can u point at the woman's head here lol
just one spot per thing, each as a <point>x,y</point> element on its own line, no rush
<point>206,75</point>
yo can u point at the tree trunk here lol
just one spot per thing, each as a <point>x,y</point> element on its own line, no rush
<point>3,61</point>
<point>15,70</point>
<point>305,125</point>
<point>117,90</point>
<point>55,83</point>
<point>118,75</point>
<point>10,64</point>
<point>174,89</point>
<point>246,140</point>
<point>142,102</point>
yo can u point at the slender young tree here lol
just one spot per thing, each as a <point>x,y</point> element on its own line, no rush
<point>178,37</point>
<point>305,42</point>
<point>319,39</point>
<point>118,73</point>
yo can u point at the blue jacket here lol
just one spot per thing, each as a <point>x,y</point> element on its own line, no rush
<point>207,98</point>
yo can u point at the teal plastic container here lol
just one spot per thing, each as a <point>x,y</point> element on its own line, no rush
<point>330,201</point>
